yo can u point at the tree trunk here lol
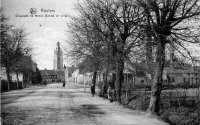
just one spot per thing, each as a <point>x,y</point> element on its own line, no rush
<point>17,74</point>
<point>8,77</point>
<point>112,81</point>
<point>105,82</point>
<point>23,77</point>
<point>149,58</point>
<point>149,51</point>
<point>28,80</point>
<point>119,76</point>
<point>95,68</point>
<point>106,74</point>
<point>22,84</point>
<point>157,81</point>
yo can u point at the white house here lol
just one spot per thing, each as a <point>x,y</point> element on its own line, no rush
<point>187,75</point>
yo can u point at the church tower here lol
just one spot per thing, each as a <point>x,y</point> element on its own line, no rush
<point>58,58</point>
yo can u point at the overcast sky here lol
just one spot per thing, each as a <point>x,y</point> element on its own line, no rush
<point>44,32</point>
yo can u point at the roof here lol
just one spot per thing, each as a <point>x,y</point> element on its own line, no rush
<point>60,73</point>
<point>51,72</point>
<point>43,72</point>
<point>172,70</point>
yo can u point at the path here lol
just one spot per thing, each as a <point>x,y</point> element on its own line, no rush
<point>56,105</point>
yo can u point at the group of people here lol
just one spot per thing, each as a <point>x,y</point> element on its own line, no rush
<point>110,92</point>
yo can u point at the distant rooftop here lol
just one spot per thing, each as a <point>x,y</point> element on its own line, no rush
<point>51,72</point>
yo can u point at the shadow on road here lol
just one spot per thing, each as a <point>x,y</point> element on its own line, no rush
<point>88,110</point>
<point>11,97</point>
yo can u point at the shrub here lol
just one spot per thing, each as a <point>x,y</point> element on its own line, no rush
<point>179,85</point>
<point>141,86</point>
<point>103,90</point>
<point>140,103</point>
<point>180,116</point>
<point>44,82</point>
<point>13,85</point>
<point>4,85</point>
<point>124,100</point>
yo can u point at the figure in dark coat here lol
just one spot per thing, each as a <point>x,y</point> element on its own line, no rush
<point>92,90</point>
<point>64,84</point>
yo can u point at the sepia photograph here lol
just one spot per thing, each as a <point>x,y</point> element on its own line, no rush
<point>100,62</point>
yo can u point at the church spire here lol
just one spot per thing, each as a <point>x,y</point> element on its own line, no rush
<point>58,58</point>
<point>58,46</point>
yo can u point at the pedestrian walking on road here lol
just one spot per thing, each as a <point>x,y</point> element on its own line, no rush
<point>93,89</point>
<point>64,84</point>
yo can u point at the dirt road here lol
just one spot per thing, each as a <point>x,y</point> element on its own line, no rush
<point>56,105</point>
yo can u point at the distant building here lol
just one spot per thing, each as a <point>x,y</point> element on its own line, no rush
<point>83,77</point>
<point>52,76</point>
<point>174,72</point>
<point>80,75</point>
<point>187,75</point>
<point>58,58</point>
<point>68,72</point>
<point>58,72</point>
<point>180,73</point>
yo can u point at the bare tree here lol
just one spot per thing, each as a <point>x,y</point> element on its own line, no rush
<point>86,42</point>
<point>24,65</point>
<point>117,22</point>
<point>13,46</point>
<point>169,20</point>
<point>126,19</point>
<point>6,52</point>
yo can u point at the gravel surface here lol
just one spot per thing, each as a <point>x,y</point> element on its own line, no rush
<point>70,105</point>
